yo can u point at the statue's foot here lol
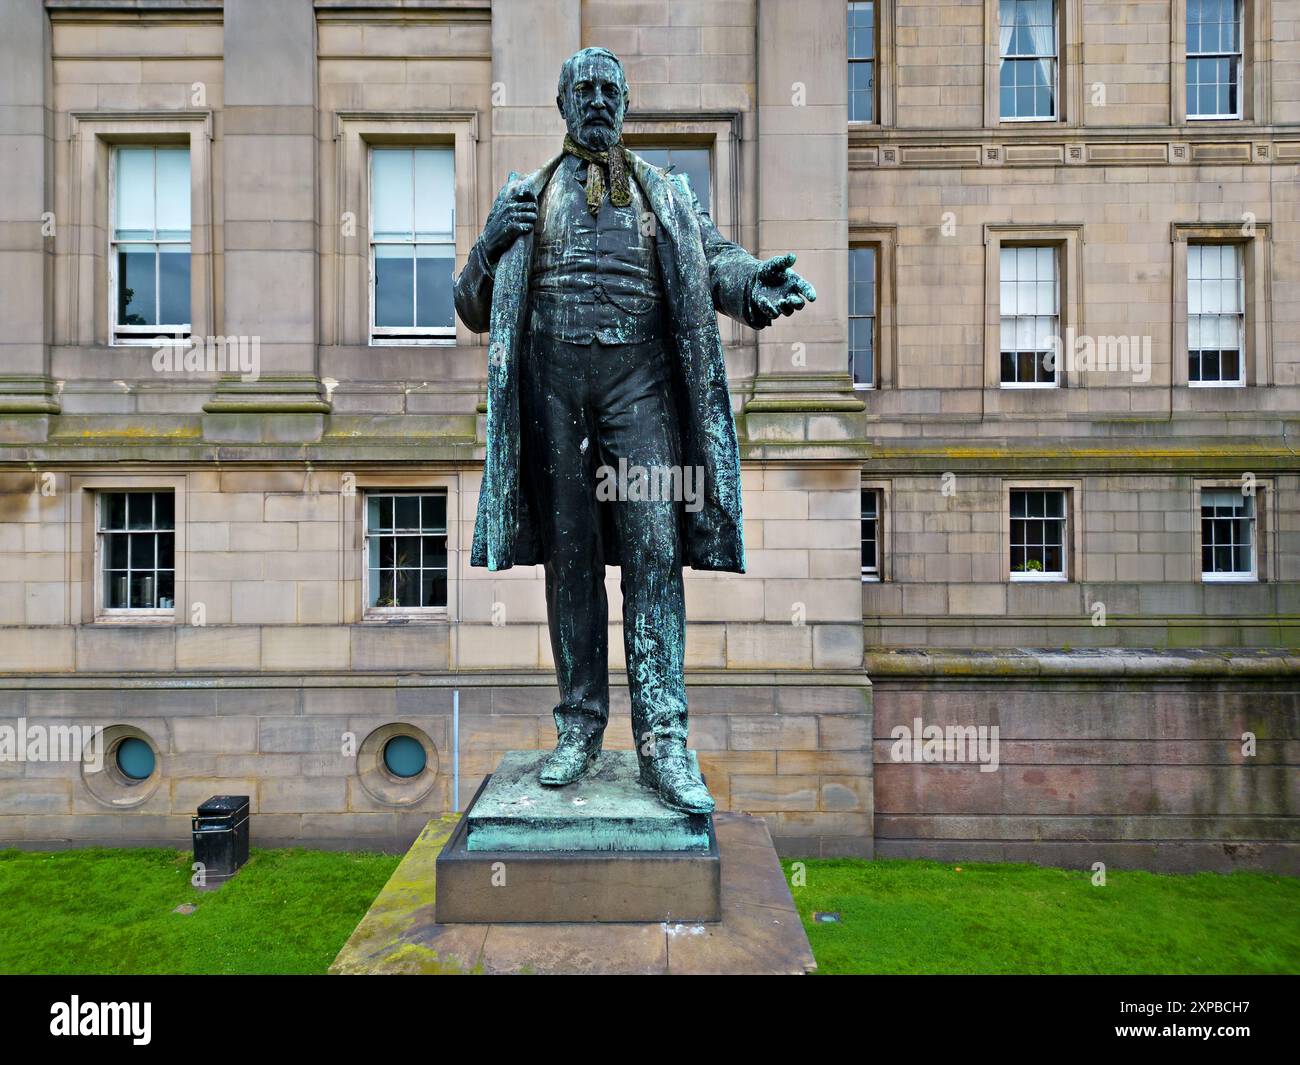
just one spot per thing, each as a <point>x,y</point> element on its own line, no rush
<point>575,752</point>
<point>669,772</point>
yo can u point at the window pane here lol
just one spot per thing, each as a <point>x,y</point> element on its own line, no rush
<point>166,550</point>
<point>408,552</point>
<point>117,550</point>
<point>143,555</point>
<point>408,587</point>
<point>434,512</point>
<point>433,552</point>
<point>435,190</point>
<point>136,284</point>
<point>394,286</point>
<point>862,33</point>
<point>143,591</point>
<point>133,190</point>
<point>407,512</point>
<point>113,510</point>
<point>174,284</point>
<point>392,194</point>
<point>139,510</point>
<point>695,163</point>
<point>115,589</point>
<point>862,280</point>
<point>435,275</point>
<point>164,509</point>
<point>173,193</point>
<point>862,350</point>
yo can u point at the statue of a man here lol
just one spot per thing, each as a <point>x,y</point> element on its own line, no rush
<point>597,279</point>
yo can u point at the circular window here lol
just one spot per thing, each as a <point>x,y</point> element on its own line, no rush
<point>122,767</point>
<point>398,764</point>
<point>135,759</point>
<point>404,757</point>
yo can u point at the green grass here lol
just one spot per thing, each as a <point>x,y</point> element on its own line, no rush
<point>110,911</point>
<point>926,917</point>
<point>289,911</point>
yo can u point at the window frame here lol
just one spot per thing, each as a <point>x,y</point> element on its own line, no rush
<point>884,238</point>
<point>145,335</point>
<point>884,531</point>
<point>1051,576</point>
<point>876,251</point>
<point>1057,370</point>
<point>101,555</point>
<point>873,59</point>
<point>398,613</point>
<point>1068,238</point>
<point>87,595</point>
<point>1055,116</point>
<point>872,572</point>
<point>1071,541</point>
<point>87,318</point>
<point>1252,520</point>
<point>1239,254</point>
<point>1069,71</point>
<point>1254,95</point>
<point>1239,65</point>
<point>345,287</point>
<point>1256,265</point>
<point>1262,565</point>
<point>387,336</point>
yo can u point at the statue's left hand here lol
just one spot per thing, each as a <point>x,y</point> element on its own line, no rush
<point>778,290</point>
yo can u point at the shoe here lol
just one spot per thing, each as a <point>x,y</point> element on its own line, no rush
<point>669,772</point>
<point>575,752</point>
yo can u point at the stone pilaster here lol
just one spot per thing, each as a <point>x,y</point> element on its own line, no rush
<point>269,156</point>
<point>803,201</point>
<point>26,237</point>
<point>529,43</point>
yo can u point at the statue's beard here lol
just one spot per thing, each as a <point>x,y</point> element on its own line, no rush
<point>595,136</point>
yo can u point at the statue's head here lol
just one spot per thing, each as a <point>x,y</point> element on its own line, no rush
<point>593,98</point>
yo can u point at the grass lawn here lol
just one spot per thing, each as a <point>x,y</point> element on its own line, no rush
<point>914,917</point>
<point>289,911</point>
<point>110,911</point>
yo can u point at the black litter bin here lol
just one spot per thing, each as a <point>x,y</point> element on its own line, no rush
<point>221,836</point>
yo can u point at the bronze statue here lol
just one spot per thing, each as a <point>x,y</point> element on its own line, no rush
<point>598,278</point>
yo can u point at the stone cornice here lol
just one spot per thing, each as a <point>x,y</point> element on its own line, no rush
<point>1105,665</point>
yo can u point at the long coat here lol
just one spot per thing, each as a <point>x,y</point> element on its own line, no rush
<point>702,272</point>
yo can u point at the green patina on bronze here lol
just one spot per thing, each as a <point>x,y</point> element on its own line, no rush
<point>598,279</point>
<point>606,810</point>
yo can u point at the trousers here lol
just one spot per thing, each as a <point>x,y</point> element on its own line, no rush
<point>590,414</point>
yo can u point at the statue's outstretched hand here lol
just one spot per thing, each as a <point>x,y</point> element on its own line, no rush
<point>778,290</point>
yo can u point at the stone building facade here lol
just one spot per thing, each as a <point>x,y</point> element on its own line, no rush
<point>257,581</point>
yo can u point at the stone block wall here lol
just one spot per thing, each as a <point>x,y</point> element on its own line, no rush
<point>795,751</point>
<point>1129,761</point>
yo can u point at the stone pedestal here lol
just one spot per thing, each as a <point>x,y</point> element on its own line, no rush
<point>602,849</point>
<point>759,933</point>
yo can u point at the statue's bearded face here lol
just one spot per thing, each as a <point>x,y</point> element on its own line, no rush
<point>594,101</point>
